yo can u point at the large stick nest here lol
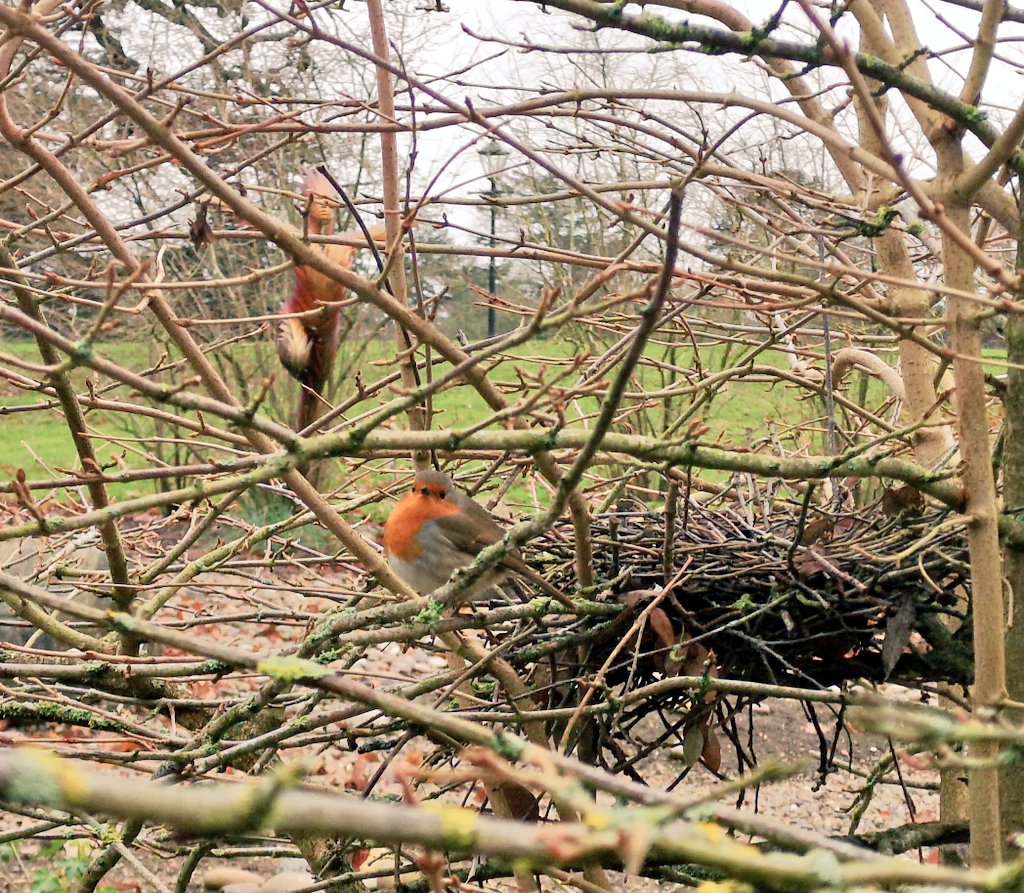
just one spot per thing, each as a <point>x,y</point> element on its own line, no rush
<point>810,599</point>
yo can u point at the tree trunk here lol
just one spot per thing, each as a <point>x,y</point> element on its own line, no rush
<point>963,321</point>
<point>1012,777</point>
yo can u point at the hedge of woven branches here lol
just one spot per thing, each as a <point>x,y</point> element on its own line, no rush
<point>744,586</point>
<point>777,596</point>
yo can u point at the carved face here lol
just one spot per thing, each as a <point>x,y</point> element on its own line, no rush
<point>321,202</point>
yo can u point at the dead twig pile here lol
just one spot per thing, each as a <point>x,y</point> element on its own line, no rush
<point>777,596</point>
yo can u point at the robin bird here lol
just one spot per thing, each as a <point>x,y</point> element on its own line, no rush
<point>436,529</point>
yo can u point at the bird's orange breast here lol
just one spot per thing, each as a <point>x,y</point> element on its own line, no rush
<point>401,530</point>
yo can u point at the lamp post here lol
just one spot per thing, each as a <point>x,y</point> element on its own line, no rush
<point>492,156</point>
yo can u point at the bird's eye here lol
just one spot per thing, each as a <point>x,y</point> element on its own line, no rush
<point>442,494</point>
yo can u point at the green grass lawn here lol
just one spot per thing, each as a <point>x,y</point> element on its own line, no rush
<point>741,413</point>
<point>34,434</point>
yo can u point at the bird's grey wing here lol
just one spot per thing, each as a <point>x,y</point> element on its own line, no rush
<point>468,533</point>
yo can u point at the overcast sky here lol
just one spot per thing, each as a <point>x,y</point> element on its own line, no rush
<point>436,45</point>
